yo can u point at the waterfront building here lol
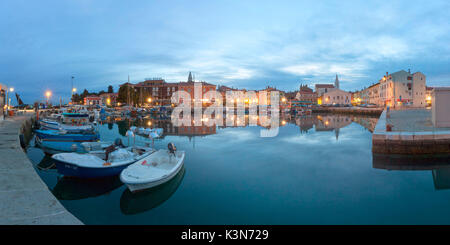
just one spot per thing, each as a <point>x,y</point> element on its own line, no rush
<point>223,92</point>
<point>323,88</point>
<point>337,96</point>
<point>283,101</point>
<point>306,95</point>
<point>440,110</point>
<point>403,89</point>
<point>92,100</point>
<point>155,91</point>
<point>189,87</point>
<point>336,82</point>
<point>109,99</point>
<point>397,89</point>
<point>370,95</point>
<point>429,91</point>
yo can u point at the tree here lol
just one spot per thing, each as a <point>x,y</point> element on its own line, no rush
<point>127,93</point>
<point>110,89</point>
<point>85,93</point>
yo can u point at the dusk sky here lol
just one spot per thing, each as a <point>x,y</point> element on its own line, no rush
<point>245,44</point>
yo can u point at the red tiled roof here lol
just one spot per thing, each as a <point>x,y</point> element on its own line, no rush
<point>324,86</point>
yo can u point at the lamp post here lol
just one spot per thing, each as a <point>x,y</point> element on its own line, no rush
<point>8,100</point>
<point>149,100</point>
<point>48,94</point>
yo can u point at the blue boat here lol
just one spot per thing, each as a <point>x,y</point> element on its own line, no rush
<point>53,125</point>
<point>77,115</point>
<point>54,141</point>
<point>57,135</point>
<point>92,166</point>
<point>49,124</point>
<point>54,147</point>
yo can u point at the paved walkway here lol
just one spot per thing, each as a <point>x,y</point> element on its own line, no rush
<point>24,197</point>
<point>412,120</point>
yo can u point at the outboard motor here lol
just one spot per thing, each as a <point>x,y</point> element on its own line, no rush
<point>171,148</point>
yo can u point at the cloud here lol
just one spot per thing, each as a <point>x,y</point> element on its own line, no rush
<point>248,44</point>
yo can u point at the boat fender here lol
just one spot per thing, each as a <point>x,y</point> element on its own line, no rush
<point>171,148</point>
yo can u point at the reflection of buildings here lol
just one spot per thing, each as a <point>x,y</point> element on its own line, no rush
<point>306,123</point>
<point>170,129</point>
<point>248,120</point>
<point>439,166</point>
<point>333,122</point>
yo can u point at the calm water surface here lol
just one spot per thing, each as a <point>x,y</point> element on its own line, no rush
<point>318,170</point>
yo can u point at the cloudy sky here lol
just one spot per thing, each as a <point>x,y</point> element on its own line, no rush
<point>248,44</point>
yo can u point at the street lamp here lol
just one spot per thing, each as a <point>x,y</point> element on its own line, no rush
<point>8,103</point>
<point>48,94</point>
<point>9,99</point>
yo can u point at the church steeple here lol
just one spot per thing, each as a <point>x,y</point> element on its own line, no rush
<point>336,82</point>
<point>190,77</point>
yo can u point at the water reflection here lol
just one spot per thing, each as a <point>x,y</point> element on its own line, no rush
<point>46,163</point>
<point>134,203</point>
<point>320,122</point>
<point>75,188</point>
<point>438,164</point>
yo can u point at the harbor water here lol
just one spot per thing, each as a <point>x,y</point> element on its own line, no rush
<point>319,169</point>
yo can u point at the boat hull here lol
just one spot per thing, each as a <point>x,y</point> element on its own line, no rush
<point>68,169</point>
<point>54,147</point>
<point>53,135</point>
<point>144,186</point>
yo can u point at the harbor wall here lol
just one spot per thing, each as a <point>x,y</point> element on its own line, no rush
<point>24,198</point>
<point>427,142</point>
<point>349,110</point>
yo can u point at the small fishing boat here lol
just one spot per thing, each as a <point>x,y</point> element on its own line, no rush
<point>72,122</point>
<point>153,170</point>
<point>92,166</point>
<point>49,124</point>
<point>152,132</point>
<point>56,141</point>
<point>63,135</point>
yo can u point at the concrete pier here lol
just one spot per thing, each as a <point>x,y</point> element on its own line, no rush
<point>349,110</point>
<point>409,132</point>
<point>24,198</point>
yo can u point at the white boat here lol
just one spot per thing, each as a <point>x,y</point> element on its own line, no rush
<point>93,165</point>
<point>152,170</point>
<point>152,132</point>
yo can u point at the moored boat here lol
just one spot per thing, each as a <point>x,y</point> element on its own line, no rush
<point>153,170</point>
<point>62,135</point>
<point>55,141</point>
<point>93,166</point>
